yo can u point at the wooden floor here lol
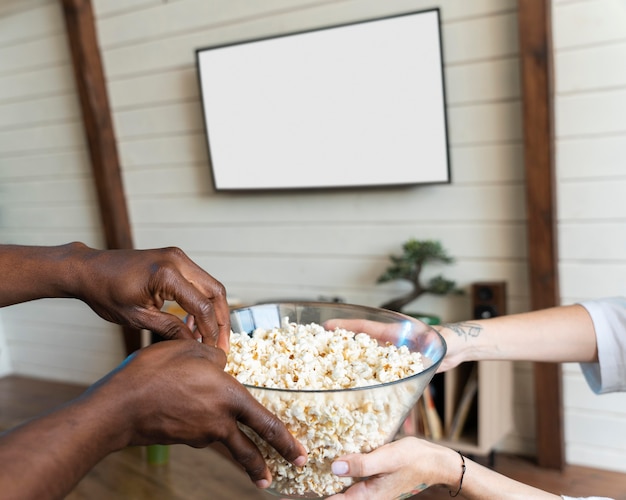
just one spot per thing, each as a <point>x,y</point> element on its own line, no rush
<point>204,474</point>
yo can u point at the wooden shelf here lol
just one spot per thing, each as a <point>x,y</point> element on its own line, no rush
<point>490,414</point>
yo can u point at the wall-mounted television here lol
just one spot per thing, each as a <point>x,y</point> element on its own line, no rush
<point>356,105</point>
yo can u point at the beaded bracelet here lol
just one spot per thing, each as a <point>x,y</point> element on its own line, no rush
<point>462,475</point>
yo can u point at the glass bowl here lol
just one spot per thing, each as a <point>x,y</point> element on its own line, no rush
<point>333,422</point>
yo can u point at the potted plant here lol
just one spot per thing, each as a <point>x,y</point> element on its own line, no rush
<point>409,265</point>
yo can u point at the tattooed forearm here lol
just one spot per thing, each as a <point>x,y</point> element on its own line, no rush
<point>416,489</point>
<point>464,329</point>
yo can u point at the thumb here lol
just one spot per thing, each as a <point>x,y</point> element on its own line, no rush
<point>382,460</point>
<point>354,465</point>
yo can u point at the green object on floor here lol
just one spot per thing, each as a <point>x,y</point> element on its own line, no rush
<point>158,454</point>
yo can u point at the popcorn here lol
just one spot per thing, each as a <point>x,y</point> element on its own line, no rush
<point>328,393</point>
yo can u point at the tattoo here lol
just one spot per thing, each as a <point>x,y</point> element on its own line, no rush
<point>465,329</point>
<point>416,489</point>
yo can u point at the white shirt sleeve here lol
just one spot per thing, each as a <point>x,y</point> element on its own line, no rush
<point>585,498</point>
<point>609,321</point>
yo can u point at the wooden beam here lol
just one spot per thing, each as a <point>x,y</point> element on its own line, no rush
<point>535,34</point>
<point>98,125</point>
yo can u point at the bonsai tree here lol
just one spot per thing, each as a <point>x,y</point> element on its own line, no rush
<point>408,266</point>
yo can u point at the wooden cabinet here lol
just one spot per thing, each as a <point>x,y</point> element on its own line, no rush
<point>487,412</point>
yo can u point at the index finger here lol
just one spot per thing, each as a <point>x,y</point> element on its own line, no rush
<point>215,311</point>
<point>209,307</point>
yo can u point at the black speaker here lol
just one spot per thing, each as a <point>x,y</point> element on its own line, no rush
<point>488,299</point>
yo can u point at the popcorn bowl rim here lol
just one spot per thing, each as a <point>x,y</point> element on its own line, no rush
<point>400,317</point>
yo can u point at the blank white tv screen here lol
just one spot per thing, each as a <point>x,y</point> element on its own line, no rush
<point>354,105</point>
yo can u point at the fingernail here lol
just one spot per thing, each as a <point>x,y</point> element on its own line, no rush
<point>339,468</point>
<point>300,461</point>
<point>262,483</point>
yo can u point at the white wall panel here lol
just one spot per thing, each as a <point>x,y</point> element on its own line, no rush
<point>591,157</point>
<point>352,207</point>
<point>37,82</point>
<point>464,241</point>
<point>56,362</point>
<point>176,85</point>
<point>33,54</point>
<point>601,71</point>
<point>46,191</point>
<point>596,278</point>
<point>51,190</point>
<point>6,366</point>
<point>594,431</point>
<point>492,163</point>
<point>588,22</point>
<point>482,38</point>
<point>264,245</point>
<point>483,81</point>
<point>177,180</point>
<point>164,150</point>
<point>163,120</point>
<point>38,335</point>
<point>42,137</point>
<point>39,110</point>
<point>104,8</point>
<point>484,123</point>
<point>174,18</point>
<point>593,199</point>
<point>580,397</point>
<point>592,114</point>
<point>29,235</point>
<point>598,457</point>
<point>477,39</point>
<point>459,11</point>
<point>42,21</point>
<point>9,9</point>
<point>243,273</point>
<point>44,166</point>
<point>51,217</point>
<point>593,240</point>
<point>71,313</point>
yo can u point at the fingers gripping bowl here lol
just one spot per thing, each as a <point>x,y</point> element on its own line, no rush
<point>341,377</point>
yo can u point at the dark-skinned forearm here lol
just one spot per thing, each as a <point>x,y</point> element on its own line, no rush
<point>46,457</point>
<point>32,272</point>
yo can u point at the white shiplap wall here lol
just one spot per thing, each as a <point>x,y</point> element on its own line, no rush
<point>319,243</point>
<point>299,244</point>
<point>6,367</point>
<point>46,192</point>
<point>310,244</point>
<point>261,246</point>
<point>590,50</point>
<point>314,242</point>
